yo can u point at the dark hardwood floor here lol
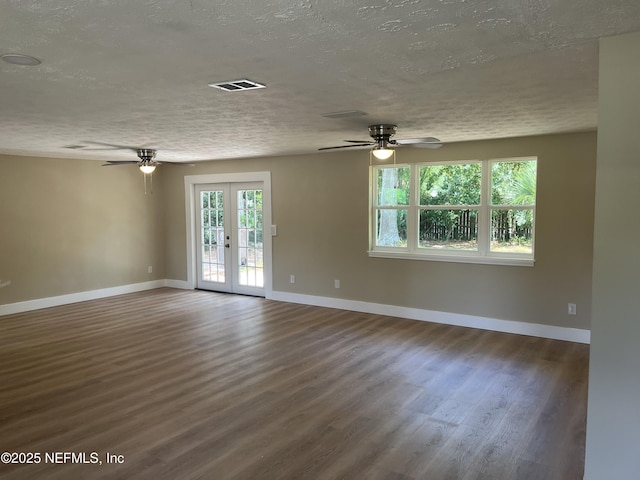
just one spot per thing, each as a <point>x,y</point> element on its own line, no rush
<point>199,385</point>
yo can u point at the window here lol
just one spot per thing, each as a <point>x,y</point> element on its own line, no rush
<point>474,211</point>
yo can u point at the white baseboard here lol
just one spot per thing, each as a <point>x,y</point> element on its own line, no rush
<point>507,326</point>
<point>39,303</point>
<point>181,284</point>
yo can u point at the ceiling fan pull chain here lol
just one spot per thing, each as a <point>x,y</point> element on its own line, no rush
<point>150,190</point>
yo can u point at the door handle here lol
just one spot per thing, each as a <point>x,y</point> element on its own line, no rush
<point>226,245</point>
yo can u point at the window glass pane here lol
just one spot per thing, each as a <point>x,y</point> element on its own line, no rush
<point>512,231</point>
<point>513,183</point>
<point>393,186</point>
<point>457,184</point>
<point>391,227</point>
<point>448,229</point>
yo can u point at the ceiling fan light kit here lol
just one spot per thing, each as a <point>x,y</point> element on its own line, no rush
<point>382,153</point>
<point>147,162</point>
<point>378,155</point>
<point>147,166</point>
<point>382,135</point>
<point>147,169</point>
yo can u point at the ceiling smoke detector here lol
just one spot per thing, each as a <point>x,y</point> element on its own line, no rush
<point>237,85</point>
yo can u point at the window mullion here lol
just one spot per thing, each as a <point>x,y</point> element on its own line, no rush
<point>412,212</point>
<point>484,214</point>
<point>373,187</point>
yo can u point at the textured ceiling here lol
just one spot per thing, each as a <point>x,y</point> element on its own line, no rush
<point>136,73</point>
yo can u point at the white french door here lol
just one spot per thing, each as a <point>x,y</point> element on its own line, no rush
<point>230,238</point>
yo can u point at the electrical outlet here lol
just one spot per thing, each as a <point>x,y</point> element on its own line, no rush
<point>150,269</point>
<point>292,279</point>
<point>336,283</point>
<point>571,309</point>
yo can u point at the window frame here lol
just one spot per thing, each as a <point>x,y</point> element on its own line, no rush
<point>413,251</point>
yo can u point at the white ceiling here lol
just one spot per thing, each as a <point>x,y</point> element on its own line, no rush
<point>136,73</point>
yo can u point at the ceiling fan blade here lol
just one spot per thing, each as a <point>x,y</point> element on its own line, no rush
<point>105,149</point>
<point>347,146</point>
<point>111,163</point>
<point>112,146</point>
<point>177,163</point>
<point>413,141</point>
<point>360,141</point>
<point>432,146</point>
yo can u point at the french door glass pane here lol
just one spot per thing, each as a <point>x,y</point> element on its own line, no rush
<point>448,229</point>
<point>212,232</point>
<point>250,241</point>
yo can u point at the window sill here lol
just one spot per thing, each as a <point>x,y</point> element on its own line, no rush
<point>455,258</point>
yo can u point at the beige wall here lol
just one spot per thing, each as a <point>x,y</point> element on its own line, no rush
<point>320,205</point>
<point>613,420</point>
<point>70,226</point>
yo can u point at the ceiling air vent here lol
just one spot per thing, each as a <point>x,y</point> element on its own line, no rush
<point>237,85</point>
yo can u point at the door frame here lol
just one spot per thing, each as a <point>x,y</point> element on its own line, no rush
<point>191,206</point>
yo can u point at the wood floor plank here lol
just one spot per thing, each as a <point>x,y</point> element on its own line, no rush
<point>200,385</point>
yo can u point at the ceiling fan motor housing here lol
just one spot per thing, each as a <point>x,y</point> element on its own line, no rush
<point>382,134</point>
<point>146,155</point>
